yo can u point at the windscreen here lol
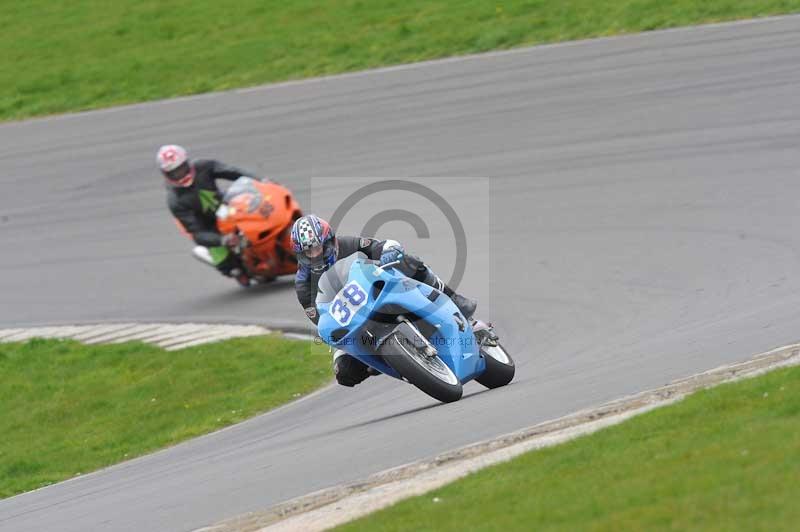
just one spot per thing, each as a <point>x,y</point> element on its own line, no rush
<point>333,280</point>
<point>244,186</point>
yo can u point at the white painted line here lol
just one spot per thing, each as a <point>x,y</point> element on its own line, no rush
<point>100,330</point>
<point>175,331</point>
<point>213,332</point>
<point>300,336</point>
<point>380,497</point>
<point>8,333</point>
<point>124,335</point>
<point>155,334</point>
<point>333,506</point>
<point>70,331</point>
<point>213,336</point>
<point>183,338</point>
<point>26,334</point>
<point>169,336</point>
<point>44,332</point>
<point>202,333</point>
<point>200,341</point>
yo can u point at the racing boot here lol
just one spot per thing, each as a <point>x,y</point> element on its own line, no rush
<point>241,277</point>
<point>349,370</point>
<point>415,268</point>
<point>465,305</point>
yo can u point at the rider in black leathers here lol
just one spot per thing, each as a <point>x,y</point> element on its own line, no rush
<point>318,248</point>
<point>193,198</point>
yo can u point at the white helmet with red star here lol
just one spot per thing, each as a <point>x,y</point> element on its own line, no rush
<point>174,163</point>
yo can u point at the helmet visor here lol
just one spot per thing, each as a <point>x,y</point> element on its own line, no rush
<point>180,176</point>
<point>319,257</point>
<point>313,253</point>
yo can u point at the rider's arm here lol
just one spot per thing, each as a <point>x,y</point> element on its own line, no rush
<point>220,170</point>
<point>186,217</point>
<point>370,247</point>
<point>306,293</point>
<point>392,251</point>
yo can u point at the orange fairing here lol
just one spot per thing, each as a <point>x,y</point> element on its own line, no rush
<point>262,213</point>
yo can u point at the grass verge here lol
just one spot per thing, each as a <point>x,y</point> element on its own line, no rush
<point>67,56</point>
<point>68,408</point>
<point>727,458</point>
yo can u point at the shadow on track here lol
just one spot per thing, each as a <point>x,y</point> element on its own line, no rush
<point>236,293</point>
<point>389,417</point>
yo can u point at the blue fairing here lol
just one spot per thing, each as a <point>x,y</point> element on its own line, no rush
<point>355,290</point>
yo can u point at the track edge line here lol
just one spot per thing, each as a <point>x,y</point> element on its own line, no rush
<point>339,504</point>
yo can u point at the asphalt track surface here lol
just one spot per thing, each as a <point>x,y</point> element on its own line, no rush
<point>643,207</point>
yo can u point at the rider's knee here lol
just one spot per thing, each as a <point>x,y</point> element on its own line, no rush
<point>412,266</point>
<point>349,370</point>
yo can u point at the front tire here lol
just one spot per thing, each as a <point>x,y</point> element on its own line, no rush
<point>500,367</point>
<point>430,374</point>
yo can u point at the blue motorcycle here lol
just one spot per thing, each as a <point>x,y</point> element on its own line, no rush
<point>407,330</point>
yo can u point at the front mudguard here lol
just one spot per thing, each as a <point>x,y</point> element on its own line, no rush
<point>405,332</point>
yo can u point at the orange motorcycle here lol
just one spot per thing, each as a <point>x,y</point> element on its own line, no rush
<point>261,215</point>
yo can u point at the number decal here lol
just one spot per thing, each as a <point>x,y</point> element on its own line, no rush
<point>341,312</point>
<point>348,302</point>
<point>354,294</point>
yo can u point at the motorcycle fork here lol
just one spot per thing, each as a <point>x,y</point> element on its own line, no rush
<point>427,348</point>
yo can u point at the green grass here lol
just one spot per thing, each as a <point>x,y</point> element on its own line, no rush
<point>727,458</point>
<point>72,55</point>
<point>67,408</point>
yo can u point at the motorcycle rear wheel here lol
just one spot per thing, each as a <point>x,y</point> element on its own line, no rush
<point>500,367</point>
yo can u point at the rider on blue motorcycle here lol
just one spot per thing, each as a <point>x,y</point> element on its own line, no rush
<point>318,248</point>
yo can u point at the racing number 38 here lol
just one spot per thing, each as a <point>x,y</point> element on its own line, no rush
<point>351,298</point>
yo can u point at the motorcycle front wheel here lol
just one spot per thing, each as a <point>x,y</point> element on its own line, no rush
<point>428,373</point>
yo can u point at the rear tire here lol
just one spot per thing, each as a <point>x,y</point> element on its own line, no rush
<point>421,371</point>
<point>500,367</point>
